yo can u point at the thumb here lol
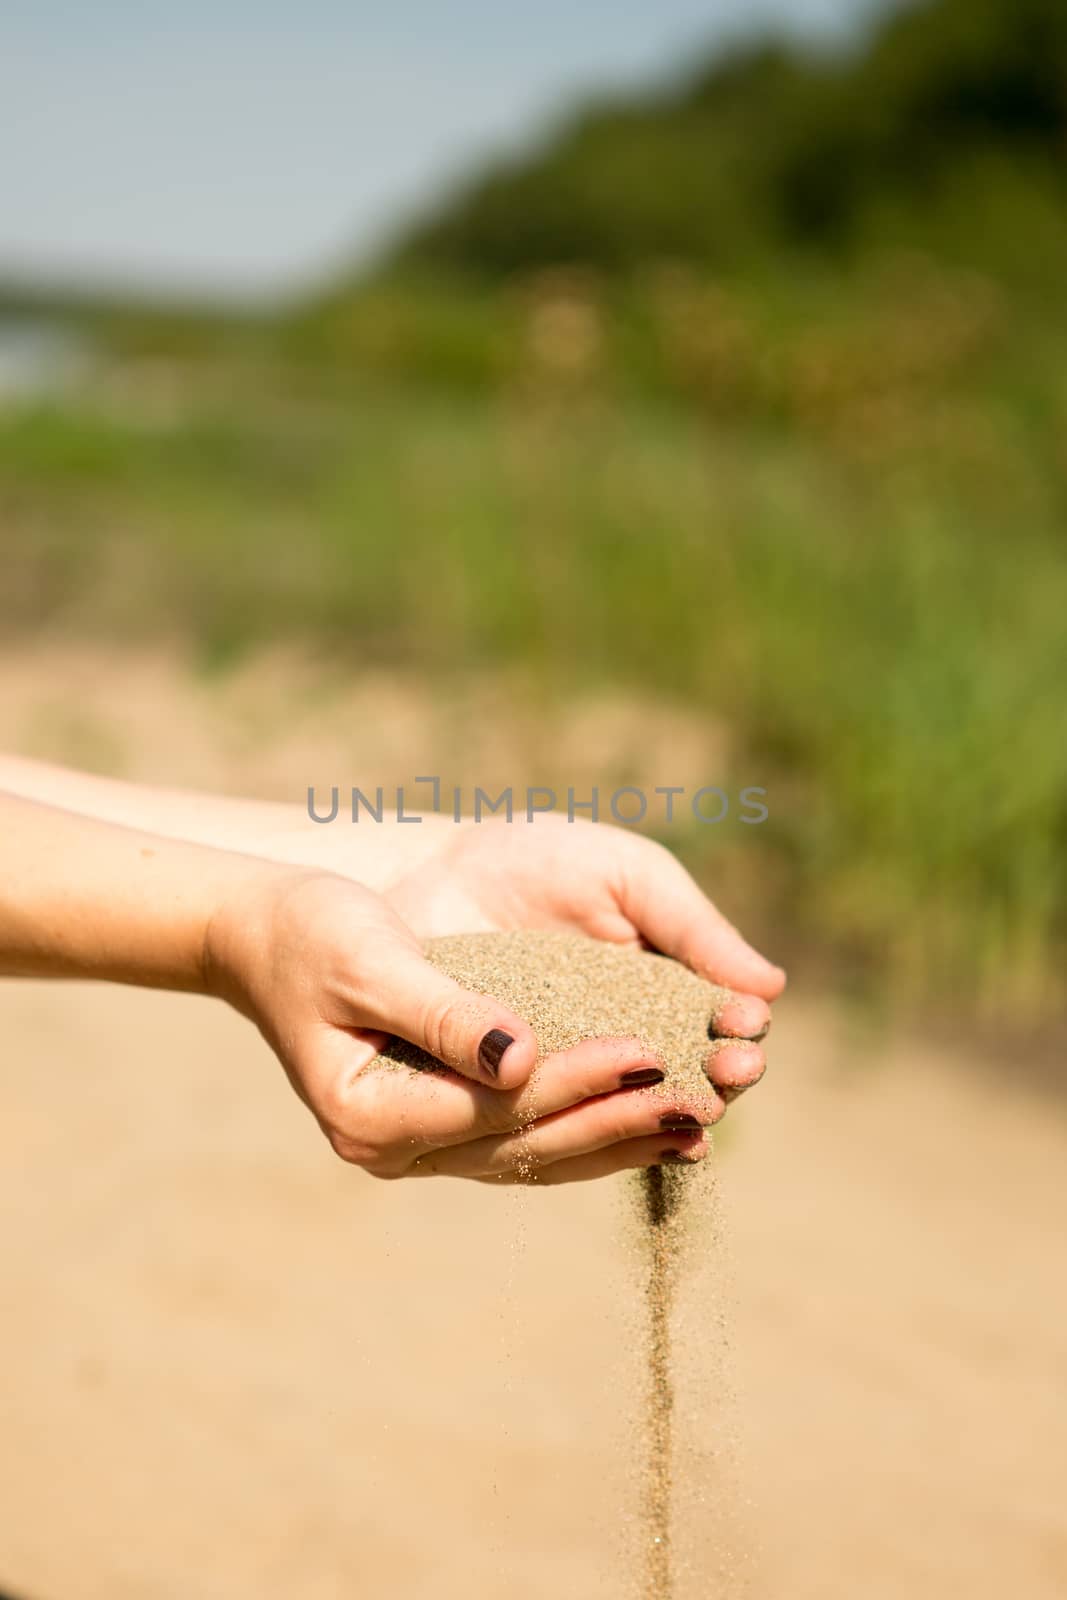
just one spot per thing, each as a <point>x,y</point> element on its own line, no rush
<point>471,1032</point>
<point>667,906</point>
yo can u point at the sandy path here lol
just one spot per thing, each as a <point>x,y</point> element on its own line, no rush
<point>237,1370</point>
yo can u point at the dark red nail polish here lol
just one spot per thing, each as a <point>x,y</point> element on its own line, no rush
<point>730,1091</point>
<point>491,1050</point>
<point>675,1156</point>
<point>679,1121</point>
<point>638,1075</point>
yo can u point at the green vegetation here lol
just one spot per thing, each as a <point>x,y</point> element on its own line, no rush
<point>794,455</point>
<point>958,100</point>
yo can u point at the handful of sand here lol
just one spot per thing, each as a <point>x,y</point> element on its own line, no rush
<point>569,987</point>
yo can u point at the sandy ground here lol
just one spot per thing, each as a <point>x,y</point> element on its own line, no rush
<point>237,1370</point>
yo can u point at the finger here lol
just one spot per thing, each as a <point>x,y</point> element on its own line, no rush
<point>436,1109</point>
<point>361,1046</point>
<point>734,1065</point>
<point>675,1150</point>
<point>472,1033</point>
<point>330,1061</point>
<point>742,1016</point>
<point>671,911</point>
<point>591,1126</point>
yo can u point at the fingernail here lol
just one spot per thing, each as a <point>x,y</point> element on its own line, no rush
<point>491,1050</point>
<point>675,1156</point>
<point>727,1091</point>
<point>678,1121</point>
<point>640,1075</point>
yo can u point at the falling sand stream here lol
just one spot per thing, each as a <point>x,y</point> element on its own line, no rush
<point>661,1198</point>
<point>570,988</point>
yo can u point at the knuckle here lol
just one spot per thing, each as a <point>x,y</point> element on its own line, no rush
<point>440,1027</point>
<point>376,1160</point>
<point>353,1141</point>
<point>345,1148</point>
<point>648,855</point>
<point>361,1124</point>
<point>499,1114</point>
<point>617,1127</point>
<point>386,1169</point>
<point>334,1106</point>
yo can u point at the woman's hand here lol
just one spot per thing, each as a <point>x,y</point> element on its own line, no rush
<point>328,970</point>
<point>438,876</point>
<point>599,880</point>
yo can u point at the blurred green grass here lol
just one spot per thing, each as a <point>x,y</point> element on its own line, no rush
<point>834,522</point>
<point>750,391</point>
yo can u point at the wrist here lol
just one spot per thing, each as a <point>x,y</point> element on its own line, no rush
<point>239,935</point>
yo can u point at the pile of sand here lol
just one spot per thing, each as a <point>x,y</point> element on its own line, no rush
<point>569,988</point>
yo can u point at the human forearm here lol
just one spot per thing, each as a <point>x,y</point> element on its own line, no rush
<point>80,898</point>
<point>374,854</point>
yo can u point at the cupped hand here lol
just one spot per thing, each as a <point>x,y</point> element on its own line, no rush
<point>605,882</point>
<point>328,971</point>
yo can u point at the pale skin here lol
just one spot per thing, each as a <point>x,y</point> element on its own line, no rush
<point>313,933</point>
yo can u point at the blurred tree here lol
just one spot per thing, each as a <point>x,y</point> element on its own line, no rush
<point>771,145</point>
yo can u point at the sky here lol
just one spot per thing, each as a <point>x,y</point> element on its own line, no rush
<point>248,147</point>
